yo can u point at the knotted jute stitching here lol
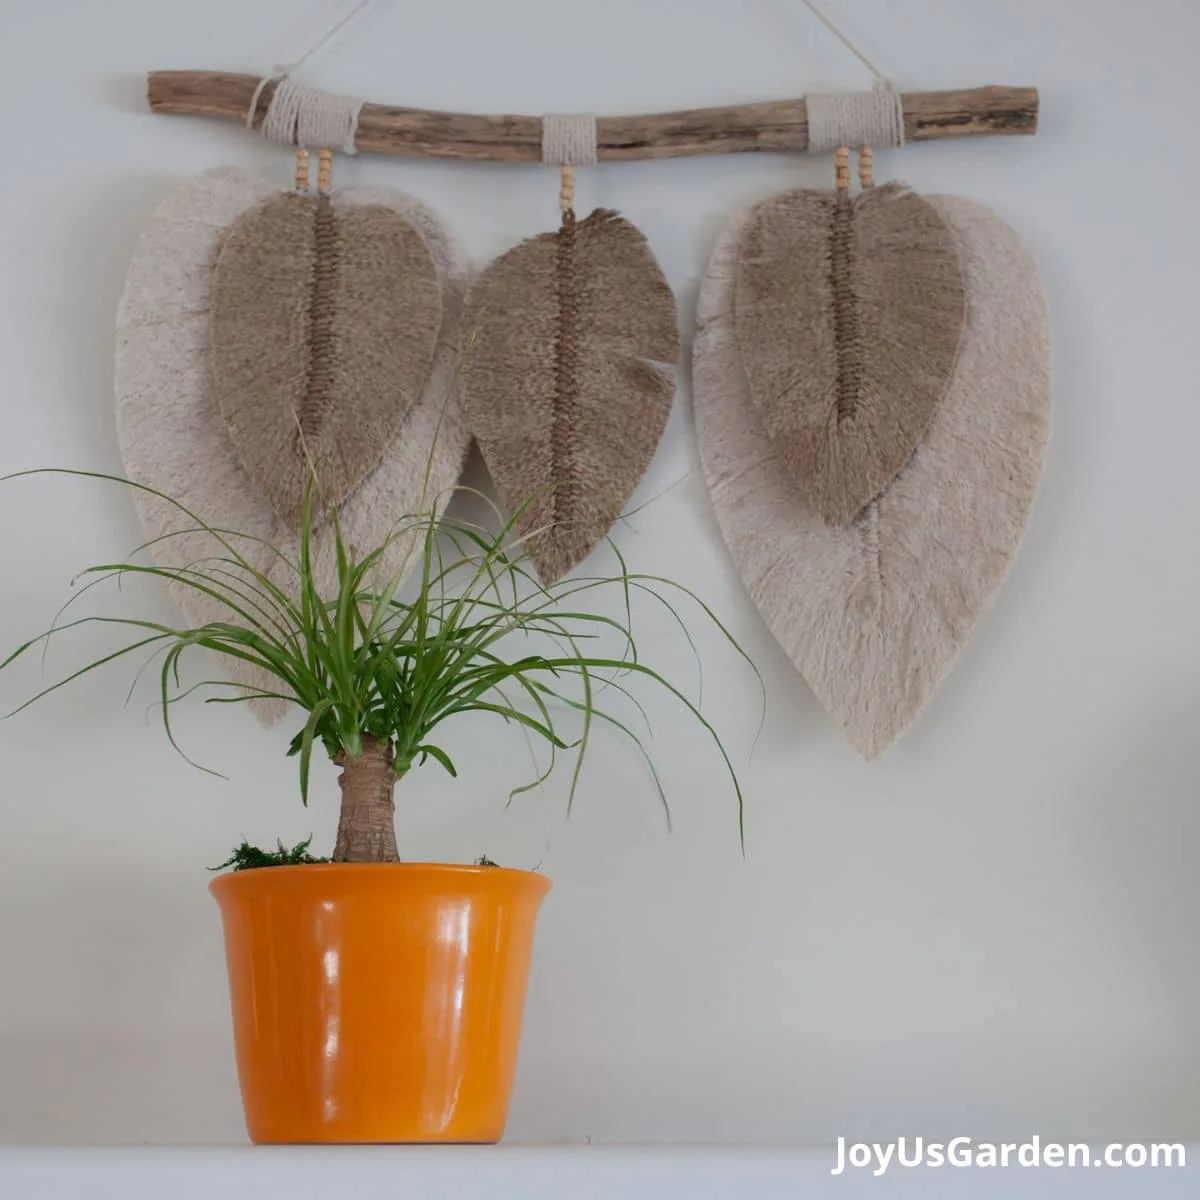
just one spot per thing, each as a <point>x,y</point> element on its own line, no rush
<point>848,311</point>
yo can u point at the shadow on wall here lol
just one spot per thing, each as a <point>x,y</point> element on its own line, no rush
<point>1136,838</point>
<point>87,276</point>
<point>86,301</point>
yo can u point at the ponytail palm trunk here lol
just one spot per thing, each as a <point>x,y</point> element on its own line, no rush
<point>367,824</point>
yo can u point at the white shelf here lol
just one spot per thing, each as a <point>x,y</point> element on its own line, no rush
<point>534,1173</point>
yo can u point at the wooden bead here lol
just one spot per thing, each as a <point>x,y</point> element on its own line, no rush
<point>866,167</point>
<point>566,190</point>
<point>842,168</point>
<point>325,170</point>
<point>301,169</point>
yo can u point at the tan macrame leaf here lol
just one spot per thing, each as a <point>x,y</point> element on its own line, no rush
<point>173,438</point>
<point>848,313</point>
<point>325,317</point>
<point>874,613</point>
<point>568,380</point>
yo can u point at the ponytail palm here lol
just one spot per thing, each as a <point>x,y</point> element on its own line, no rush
<point>380,666</point>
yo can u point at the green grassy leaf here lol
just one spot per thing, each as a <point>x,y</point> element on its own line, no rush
<point>379,655</point>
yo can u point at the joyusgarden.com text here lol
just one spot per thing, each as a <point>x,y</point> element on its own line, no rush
<point>908,1152</point>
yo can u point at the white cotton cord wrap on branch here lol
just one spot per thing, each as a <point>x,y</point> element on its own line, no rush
<point>568,139</point>
<point>304,116</point>
<point>874,118</point>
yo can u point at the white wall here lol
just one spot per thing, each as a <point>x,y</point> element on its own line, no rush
<point>991,931</point>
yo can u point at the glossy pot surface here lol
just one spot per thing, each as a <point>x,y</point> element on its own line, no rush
<point>377,1002</point>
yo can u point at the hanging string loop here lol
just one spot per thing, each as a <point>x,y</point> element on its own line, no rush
<point>844,38</point>
<point>862,119</point>
<point>304,116</point>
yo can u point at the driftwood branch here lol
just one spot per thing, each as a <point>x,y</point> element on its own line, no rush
<point>778,125</point>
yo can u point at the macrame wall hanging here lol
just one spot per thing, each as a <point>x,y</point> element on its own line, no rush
<point>871,369</point>
<point>872,394</point>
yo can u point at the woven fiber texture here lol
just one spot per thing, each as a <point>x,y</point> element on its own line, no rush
<point>568,139</point>
<point>305,116</point>
<point>848,312</point>
<point>570,379</point>
<point>324,322</point>
<point>874,118</point>
<point>874,613</point>
<point>171,431</point>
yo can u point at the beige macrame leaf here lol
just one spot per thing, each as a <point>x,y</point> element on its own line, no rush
<point>174,440</point>
<point>874,613</point>
<point>848,313</point>
<point>325,318</point>
<point>568,380</point>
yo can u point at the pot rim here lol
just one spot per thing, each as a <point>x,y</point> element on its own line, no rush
<point>298,872</point>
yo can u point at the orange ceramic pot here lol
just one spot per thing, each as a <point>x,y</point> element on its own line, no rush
<point>377,1002</point>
